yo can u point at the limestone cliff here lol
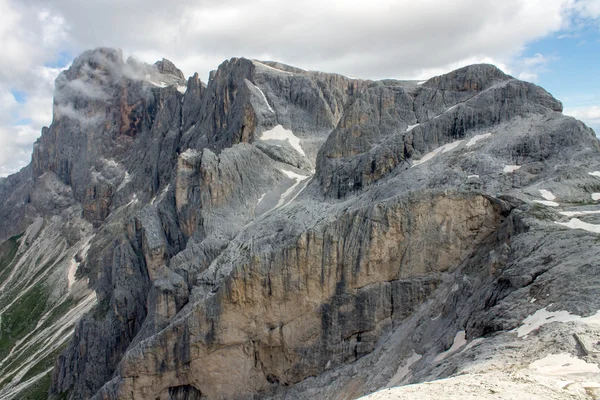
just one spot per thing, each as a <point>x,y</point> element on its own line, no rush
<point>282,233</point>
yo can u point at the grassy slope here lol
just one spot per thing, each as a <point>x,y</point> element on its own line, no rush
<point>22,317</point>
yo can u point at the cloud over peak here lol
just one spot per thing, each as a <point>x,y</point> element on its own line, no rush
<point>381,39</point>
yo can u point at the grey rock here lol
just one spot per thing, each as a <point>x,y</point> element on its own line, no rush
<point>167,67</point>
<point>228,265</point>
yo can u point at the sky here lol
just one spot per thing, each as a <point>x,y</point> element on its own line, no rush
<point>553,43</point>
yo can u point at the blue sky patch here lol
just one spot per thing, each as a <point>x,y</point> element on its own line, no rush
<point>61,60</point>
<point>572,73</point>
<point>20,97</point>
<point>23,121</point>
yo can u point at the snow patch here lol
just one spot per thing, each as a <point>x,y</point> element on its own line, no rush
<point>459,341</point>
<point>472,176</point>
<point>157,84</point>
<point>261,198</point>
<point>595,173</point>
<point>596,196</point>
<point>411,127</point>
<point>305,182</point>
<point>161,195</point>
<point>110,162</point>
<point>547,194</point>
<point>576,223</point>
<point>510,168</point>
<point>547,203</point>
<point>451,146</point>
<point>298,179</point>
<point>442,149</point>
<point>265,99</point>
<point>125,181</point>
<point>563,364</point>
<point>472,344</point>
<point>477,138</point>
<point>420,83</point>
<point>134,200</point>
<point>404,369</point>
<point>542,317</point>
<point>182,89</point>
<point>272,68</point>
<point>574,213</point>
<point>280,133</point>
<point>293,175</point>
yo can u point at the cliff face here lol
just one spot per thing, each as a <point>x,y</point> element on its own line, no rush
<point>281,233</point>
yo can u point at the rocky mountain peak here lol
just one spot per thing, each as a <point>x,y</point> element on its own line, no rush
<point>100,58</point>
<point>277,233</point>
<point>167,67</point>
<point>474,77</point>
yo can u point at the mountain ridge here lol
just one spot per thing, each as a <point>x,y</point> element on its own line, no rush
<point>278,233</point>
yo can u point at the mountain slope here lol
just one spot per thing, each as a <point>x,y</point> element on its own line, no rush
<point>281,233</point>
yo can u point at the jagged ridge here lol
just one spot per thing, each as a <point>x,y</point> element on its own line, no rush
<point>269,233</point>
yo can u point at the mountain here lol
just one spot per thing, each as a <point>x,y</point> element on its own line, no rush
<point>279,233</point>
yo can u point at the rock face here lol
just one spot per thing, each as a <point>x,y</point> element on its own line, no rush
<point>281,233</point>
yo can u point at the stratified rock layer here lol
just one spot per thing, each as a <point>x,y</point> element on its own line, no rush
<point>281,233</point>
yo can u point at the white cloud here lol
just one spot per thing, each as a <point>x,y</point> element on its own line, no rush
<point>587,8</point>
<point>386,38</point>
<point>529,68</point>
<point>528,76</point>
<point>588,114</point>
<point>17,137</point>
<point>29,37</point>
<point>15,153</point>
<point>535,61</point>
<point>567,36</point>
<point>426,73</point>
<point>12,154</point>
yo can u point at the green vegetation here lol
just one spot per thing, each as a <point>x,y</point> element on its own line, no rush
<point>48,361</point>
<point>21,318</point>
<point>58,312</point>
<point>44,364</point>
<point>44,269</point>
<point>19,284</point>
<point>39,390</point>
<point>8,250</point>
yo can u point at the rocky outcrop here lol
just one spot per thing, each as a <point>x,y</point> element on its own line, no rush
<point>390,126</point>
<point>111,121</point>
<point>321,301</point>
<point>245,98</point>
<point>166,67</point>
<point>14,197</point>
<point>282,233</point>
